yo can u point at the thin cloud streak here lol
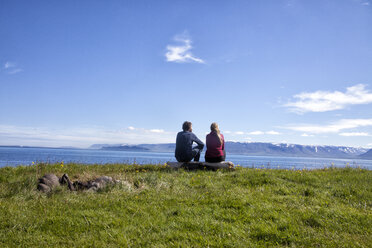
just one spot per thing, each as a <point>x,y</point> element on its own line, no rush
<point>11,68</point>
<point>355,134</point>
<point>256,133</point>
<point>8,65</point>
<point>306,135</point>
<point>156,130</point>
<point>335,127</point>
<point>181,53</point>
<point>15,71</point>
<point>272,132</point>
<point>80,137</point>
<point>322,101</point>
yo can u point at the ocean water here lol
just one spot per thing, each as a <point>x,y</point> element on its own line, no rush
<point>13,156</point>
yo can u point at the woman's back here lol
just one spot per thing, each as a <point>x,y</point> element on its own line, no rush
<point>215,147</point>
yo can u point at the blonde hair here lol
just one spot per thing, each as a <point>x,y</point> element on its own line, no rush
<point>215,128</point>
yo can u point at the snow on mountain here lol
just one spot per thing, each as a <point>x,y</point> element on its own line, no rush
<point>258,149</point>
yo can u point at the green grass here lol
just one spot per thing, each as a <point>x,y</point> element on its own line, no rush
<point>159,207</point>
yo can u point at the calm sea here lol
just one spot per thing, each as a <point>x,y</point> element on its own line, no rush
<point>13,156</point>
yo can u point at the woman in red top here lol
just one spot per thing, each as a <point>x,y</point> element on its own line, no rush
<point>215,145</point>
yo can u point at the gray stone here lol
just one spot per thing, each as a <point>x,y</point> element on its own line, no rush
<point>49,181</point>
<point>43,188</point>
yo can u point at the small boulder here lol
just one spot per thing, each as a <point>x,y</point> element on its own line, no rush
<point>48,182</point>
<point>43,188</point>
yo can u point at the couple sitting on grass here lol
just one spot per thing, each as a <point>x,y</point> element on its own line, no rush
<point>185,152</point>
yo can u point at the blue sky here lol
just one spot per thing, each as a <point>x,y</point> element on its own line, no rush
<point>75,73</point>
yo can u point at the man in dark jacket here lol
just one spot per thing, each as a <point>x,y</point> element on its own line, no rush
<point>184,150</point>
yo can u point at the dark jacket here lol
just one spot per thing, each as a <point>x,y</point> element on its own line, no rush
<point>214,147</point>
<point>184,147</point>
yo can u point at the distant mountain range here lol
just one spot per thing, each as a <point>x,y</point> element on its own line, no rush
<point>367,155</point>
<point>125,148</point>
<point>257,149</point>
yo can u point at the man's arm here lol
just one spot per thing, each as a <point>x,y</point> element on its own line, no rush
<point>198,141</point>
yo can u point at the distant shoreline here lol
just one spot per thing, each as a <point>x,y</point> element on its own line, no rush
<point>15,156</point>
<point>239,148</point>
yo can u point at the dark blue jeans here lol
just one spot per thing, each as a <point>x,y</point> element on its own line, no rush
<point>195,154</point>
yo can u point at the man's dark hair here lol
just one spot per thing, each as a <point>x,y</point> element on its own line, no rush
<point>186,126</point>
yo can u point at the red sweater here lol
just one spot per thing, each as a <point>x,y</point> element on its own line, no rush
<point>214,147</point>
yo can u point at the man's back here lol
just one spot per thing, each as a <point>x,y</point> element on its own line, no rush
<point>184,141</point>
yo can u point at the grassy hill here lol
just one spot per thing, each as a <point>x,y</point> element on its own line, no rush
<point>155,206</point>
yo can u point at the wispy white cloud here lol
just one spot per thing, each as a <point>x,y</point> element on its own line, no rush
<point>11,68</point>
<point>131,128</point>
<point>322,101</point>
<point>290,3</point>
<point>355,134</point>
<point>156,130</point>
<point>80,137</point>
<point>256,133</point>
<point>335,127</point>
<point>272,132</point>
<point>181,53</point>
<point>17,70</point>
<point>8,65</point>
<point>365,3</point>
<point>307,135</point>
